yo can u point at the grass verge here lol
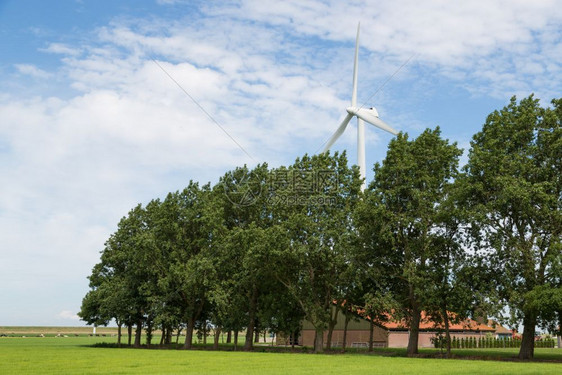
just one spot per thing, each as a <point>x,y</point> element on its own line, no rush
<point>73,355</point>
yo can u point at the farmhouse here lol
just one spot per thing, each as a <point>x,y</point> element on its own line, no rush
<point>393,334</point>
<point>500,331</point>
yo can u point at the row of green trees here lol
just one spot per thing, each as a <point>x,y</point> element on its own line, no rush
<point>236,255</point>
<point>488,342</point>
<point>546,343</point>
<point>268,247</point>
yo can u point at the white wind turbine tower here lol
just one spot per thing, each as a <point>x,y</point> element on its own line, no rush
<point>370,115</point>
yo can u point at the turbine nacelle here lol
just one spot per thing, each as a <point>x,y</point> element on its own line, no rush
<point>354,110</point>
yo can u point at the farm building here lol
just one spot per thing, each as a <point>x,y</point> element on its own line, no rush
<point>500,331</point>
<point>390,334</point>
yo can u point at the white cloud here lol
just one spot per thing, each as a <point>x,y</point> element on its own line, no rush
<point>170,2</point>
<point>60,48</point>
<point>32,70</point>
<point>68,315</point>
<point>75,165</point>
<point>522,37</point>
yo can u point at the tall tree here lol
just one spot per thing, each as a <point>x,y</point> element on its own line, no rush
<point>121,282</point>
<point>315,198</point>
<point>109,298</point>
<point>195,228</point>
<point>514,190</point>
<point>246,214</point>
<point>454,286</point>
<point>400,213</point>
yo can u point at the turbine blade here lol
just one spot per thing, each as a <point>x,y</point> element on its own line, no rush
<point>375,120</point>
<point>354,92</point>
<point>338,132</point>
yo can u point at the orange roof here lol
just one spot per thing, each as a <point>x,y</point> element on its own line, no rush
<point>427,324</point>
<point>498,327</point>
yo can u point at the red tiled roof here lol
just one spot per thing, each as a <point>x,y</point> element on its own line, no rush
<point>498,327</point>
<point>426,324</point>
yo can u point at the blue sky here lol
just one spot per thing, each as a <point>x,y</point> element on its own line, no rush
<point>90,125</point>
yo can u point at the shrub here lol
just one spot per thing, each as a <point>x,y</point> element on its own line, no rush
<point>544,343</point>
<point>439,341</point>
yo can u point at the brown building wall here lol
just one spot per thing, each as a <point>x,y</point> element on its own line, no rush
<point>398,339</point>
<point>358,335</point>
<point>394,339</point>
<point>355,338</point>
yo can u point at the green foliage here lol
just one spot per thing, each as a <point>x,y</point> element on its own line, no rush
<point>313,252</point>
<point>440,342</point>
<point>402,223</point>
<point>265,248</point>
<point>512,187</point>
<point>232,255</point>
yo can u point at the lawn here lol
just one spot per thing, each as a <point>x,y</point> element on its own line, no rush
<point>75,355</point>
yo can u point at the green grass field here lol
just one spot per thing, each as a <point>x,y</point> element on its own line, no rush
<point>76,355</point>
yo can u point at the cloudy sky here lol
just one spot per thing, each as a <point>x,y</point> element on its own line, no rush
<point>90,124</point>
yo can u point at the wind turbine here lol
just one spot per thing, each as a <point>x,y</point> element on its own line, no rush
<point>369,115</point>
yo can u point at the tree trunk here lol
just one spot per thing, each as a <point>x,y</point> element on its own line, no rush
<point>217,337</point>
<point>178,335</point>
<point>347,319</point>
<point>293,338</point>
<point>168,339</point>
<point>189,334</point>
<point>314,344</point>
<point>319,341</point>
<point>447,332</point>
<point>371,334</point>
<point>205,333</point>
<point>257,335</point>
<point>129,333</point>
<point>414,333</point>
<point>149,332</point>
<point>163,338</point>
<point>235,340</point>
<point>251,321</point>
<point>559,333</point>
<point>527,349</point>
<point>229,337</point>
<point>119,334</point>
<point>138,333</point>
<point>248,343</point>
<point>331,326</point>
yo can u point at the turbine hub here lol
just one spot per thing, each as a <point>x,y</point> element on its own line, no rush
<point>352,110</point>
